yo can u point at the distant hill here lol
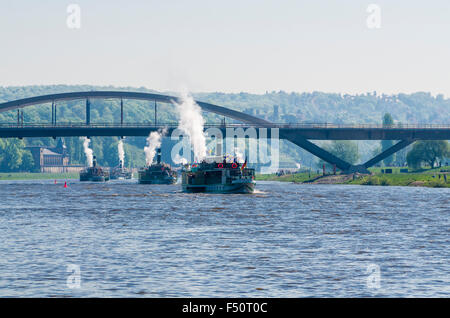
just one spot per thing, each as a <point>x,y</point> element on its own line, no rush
<point>420,107</point>
<point>318,107</point>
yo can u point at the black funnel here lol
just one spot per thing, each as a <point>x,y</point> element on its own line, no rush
<point>94,161</point>
<point>158,155</point>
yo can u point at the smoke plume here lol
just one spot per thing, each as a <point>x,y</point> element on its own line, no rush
<point>239,155</point>
<point>191,122</point>
<point>153,142</point>
<point>88,152</point>
<point>121,151</point>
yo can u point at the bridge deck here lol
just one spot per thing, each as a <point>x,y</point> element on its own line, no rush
<point>307,131</point>
<point>295,133</point>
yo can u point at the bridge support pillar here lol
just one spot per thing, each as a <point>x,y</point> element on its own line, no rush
<point>317,151</point>
<point>357,169</point>
<point>121,111</point>
<point>341,164</point>
<point>156,114</point>
<point>388,152</point>
<point>53,112</point>
<point>88,112</point>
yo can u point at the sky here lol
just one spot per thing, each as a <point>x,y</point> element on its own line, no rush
<point>229,46</point>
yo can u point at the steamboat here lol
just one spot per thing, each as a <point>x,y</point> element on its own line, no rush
<point>120,172</point>
<point>157,173</point>
<point>218,177</point>
<point>94,173</point>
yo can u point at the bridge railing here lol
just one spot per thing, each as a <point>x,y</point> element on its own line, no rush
<point>227,125</point>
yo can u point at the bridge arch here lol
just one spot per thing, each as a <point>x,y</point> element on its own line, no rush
<point>294,136</point>
<point>51,98</point>
<point>248,119</point>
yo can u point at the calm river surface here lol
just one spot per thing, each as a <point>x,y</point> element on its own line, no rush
<point>287,240</point>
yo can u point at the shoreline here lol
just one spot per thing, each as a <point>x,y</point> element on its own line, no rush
<point>429,179</point>
<point>6,176</point>
<point>412,179</point>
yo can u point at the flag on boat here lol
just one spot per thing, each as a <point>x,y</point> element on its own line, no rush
<point>245,164</point>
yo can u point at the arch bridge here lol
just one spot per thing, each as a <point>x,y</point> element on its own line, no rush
<point>299,134</point>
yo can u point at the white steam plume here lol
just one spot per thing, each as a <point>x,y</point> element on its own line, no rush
<point>239,155</point>
<point>153,142</point>
<point>88,152</point>
<point>191,123</point>
<point>121,151</point>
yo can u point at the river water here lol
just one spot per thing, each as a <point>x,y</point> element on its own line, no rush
<point>121,239</point>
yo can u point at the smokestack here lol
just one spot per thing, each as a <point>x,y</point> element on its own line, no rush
<point>94,162</point>
<point>120,164</point>
<point>121,151</point>
<point>158,156</point>
<point>153,143</point>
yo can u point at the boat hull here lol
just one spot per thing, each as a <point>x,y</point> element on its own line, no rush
<point>159,173</point>
<point>121,176</point>
<point>94,173</point>
<point>156,181</point>
<point>148,178</point>
<point>94,178</point>
<point>242,188</point>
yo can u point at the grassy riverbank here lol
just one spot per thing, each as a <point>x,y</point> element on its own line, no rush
<point>297,177</point>
<point>410,179</point>
<point>422,178</point>
<point>37,176</point>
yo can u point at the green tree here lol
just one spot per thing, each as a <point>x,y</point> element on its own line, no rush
<point>428,152</point>
<point>27,161</point>
<point>12,154</point>
<point>344,149</point>
<point>110,152</point>
<point>388,121</point>
<point>310,107</point>
<point>96,146</point>
<point>2,149</point>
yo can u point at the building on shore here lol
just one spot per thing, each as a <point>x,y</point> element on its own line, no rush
<point>52,159</point>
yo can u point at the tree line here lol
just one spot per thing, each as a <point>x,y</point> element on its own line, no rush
<point>423,153</point>
<point>14,156</point>
<point>274,106</point>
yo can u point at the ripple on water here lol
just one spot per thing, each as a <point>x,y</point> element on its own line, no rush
<point>286,240</point>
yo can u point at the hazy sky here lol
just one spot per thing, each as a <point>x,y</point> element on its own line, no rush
<point>231,46</point>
